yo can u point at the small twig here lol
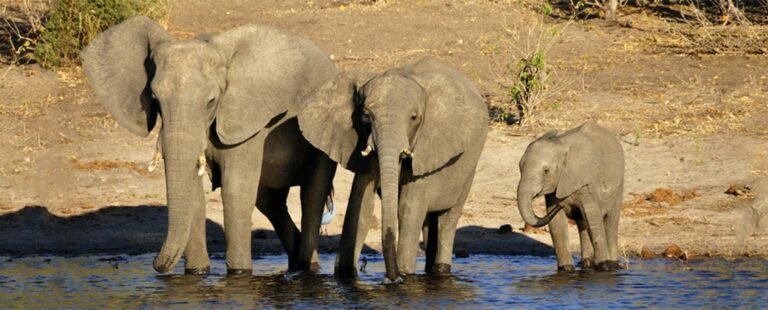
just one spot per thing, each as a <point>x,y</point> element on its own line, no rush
<point>2,77</point>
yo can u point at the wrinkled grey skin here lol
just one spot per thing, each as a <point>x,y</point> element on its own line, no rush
<point>425,125</point>
<point>227,97</point>
<point>580,172</point>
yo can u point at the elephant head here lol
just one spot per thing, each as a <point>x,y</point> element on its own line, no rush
<point>413,117</point>
<point>552,164</point>
<point>229,85</point>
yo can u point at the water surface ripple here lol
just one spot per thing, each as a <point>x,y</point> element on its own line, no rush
<point>481,281</point>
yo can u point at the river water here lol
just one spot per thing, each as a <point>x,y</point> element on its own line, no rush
<point>480,281</point>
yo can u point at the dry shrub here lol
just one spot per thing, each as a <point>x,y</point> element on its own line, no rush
<point>529,80</point>
<point>720,40</point>
<point>73,23</point>
<point>20,26</point>
<point>590,8</point>
<point>718,27</point>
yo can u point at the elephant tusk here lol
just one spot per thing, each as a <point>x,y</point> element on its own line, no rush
<point>366,151</point>
<point>406,153</point>
<point>201,164</point>
<point>154,162</point>
<point>157,157</point>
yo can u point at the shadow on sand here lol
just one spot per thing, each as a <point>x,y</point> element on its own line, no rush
<point>136,230</point>
<point>484,240</point>
<point>114,230</point>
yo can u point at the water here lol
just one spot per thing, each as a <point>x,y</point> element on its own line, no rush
<point>481,281</point>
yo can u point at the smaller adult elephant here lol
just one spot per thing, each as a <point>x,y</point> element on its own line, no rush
<point>416,134</point>
<point>580,172</point>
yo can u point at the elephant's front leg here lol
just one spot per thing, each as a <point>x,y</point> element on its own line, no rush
<point>558,230</point>
<point>612,232</point>
<point>313,197</point>
<point>241,171</point>
<point>357,220</point>
<point>412,211</point>
<point>196,253</point>
<point>587,251</point>
<point>271,203</point>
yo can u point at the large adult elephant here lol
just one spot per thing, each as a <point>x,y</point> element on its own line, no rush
<point>224,103</point>
<point>416,133</point>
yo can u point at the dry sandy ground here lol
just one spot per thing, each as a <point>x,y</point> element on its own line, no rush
<point>73,182</point>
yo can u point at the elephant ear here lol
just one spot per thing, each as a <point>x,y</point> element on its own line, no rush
<point>455,117</point>
<point>119,67</point>
<point>327,119</point>
<point>266,73</point>
<point>580,168</point>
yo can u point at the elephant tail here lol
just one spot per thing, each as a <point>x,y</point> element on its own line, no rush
<point>330,210</point>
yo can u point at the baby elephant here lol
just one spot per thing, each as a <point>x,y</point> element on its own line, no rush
<point>580,172</point>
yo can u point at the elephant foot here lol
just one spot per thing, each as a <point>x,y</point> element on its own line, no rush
<point>387,281</point>
<point>440,269</point>
<point>312,267</point>
<point>239,272</point>
<point>198,271</point>
<point>609,265</point>
<point>163,263</point>
<point>345,272</point>
<point>614,265</point>
<point>566,268</point>
<point>586,264</point>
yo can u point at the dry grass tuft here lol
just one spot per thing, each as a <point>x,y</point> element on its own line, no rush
<point>99,165</point>
<point>712,40</point>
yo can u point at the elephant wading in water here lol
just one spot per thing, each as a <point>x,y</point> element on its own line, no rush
<point>225,103</point>
<point>580,172</point>
<point>416,134</point>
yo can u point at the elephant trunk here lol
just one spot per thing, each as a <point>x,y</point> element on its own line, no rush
<point>389,151</point>
<point>525,195</point>
<point>184,192</point>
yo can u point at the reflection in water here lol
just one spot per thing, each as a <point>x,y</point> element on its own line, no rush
<point>491,281</point>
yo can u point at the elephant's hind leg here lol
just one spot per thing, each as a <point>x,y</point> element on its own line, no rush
<point>596,223</point>
<point>271,203</point>
<point>430,241</point>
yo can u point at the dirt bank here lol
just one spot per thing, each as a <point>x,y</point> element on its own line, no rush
<point>692,124</point>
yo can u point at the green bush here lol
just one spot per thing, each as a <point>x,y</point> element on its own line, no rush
<point>74,23</point>
<point>529,84</point>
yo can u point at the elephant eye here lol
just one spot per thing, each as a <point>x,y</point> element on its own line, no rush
<point>414,116</point>
<point>546,169</point>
